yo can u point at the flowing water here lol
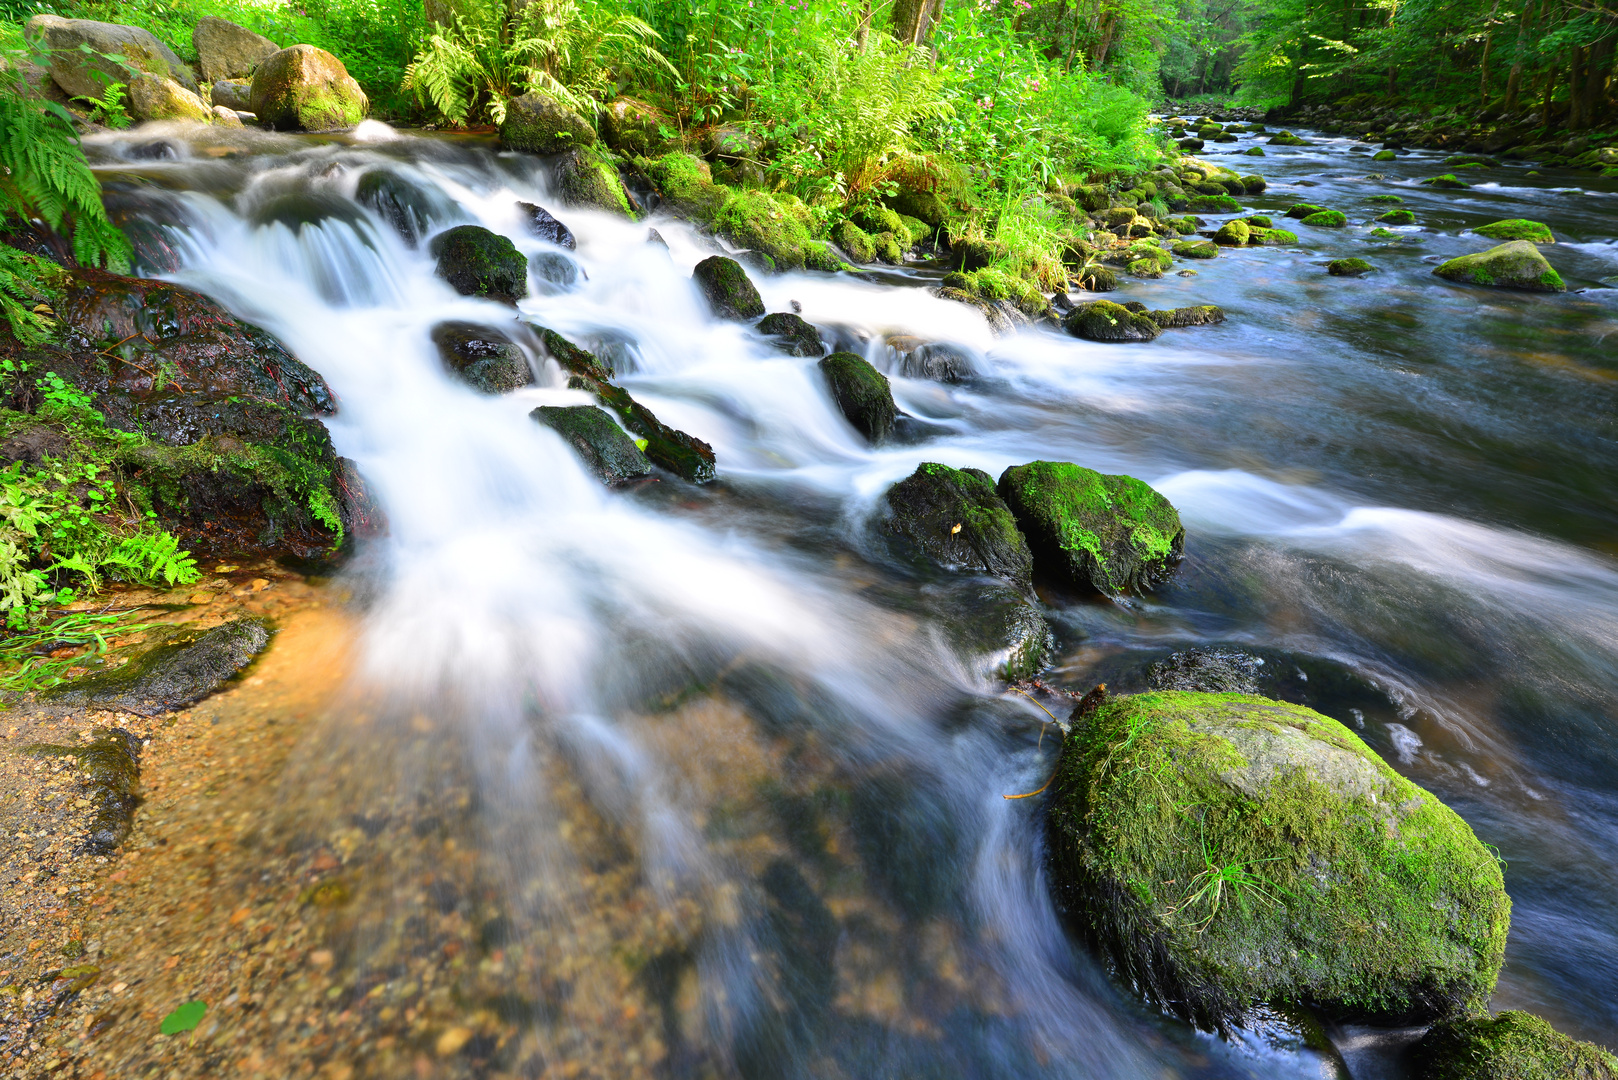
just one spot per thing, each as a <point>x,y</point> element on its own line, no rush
<point>728,758</point>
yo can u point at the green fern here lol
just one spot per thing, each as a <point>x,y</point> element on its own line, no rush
<point>148,558</point>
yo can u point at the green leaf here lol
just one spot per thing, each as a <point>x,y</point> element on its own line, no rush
<point>185,1018</point>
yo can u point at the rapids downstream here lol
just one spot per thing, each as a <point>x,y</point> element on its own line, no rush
<point>795,858</point>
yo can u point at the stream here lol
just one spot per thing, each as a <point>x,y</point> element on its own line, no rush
<point>728,766</point>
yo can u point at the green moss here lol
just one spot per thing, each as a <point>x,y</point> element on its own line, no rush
<point>856,241</point>
<point>1384,199</point>
<point>1196,249</point>
<point>1146,268</point>
<point>755,220</point>
<point>1228,850</point>
<point>1510,1046</point>
<point>1384,155</point>
<point>1213,204</point>
<point>1303,210</point>
<point>1397,217</point>
<point>1517,229</point>
<point>1514,265</point>
<point>1280,237</point>
<point>325,111</point>
<point>1232,234</point>
<point>1327,219</point>
<point>1552,281</point>
<point>1348,267</point>
<point>687,186</point>
<point>1262,221</point>
<point>1448,181</point>
<point>889,248</point>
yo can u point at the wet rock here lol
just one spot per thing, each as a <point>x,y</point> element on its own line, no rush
<point>305,88</point>
<point>180,672</point>
<point>154,327</point>
<point>541,224</point>
<point>791,334</point>
<point>297,209</point>
<point>862,394</point>
<point>601,444</point>
<point>933,359</point>
<point>31,442</point>
<point>1384,155</point>
<point>1289,880</point>
<point>1327,219</point>
<point>111,763</point>
<point>559,272</point>
<point>228,51</point>
<point>1517,229</point>
<point>1517,265</point>
<point>227,117</point>
<point>538,123</point>
<point>1110,534</point>
<point>1196,249</point>
<point>635,127</point>
<point>402,204</point>
<point>482,356</point>
<point>1353,267</point>
<point>684,455</point>
<point>1232,234</point>
<point>1254,184</point>
<point>1447,182</point>
<point>154,98</point>
<point>1102,320</point>
<point>957,519</point>
<point>583,179</point>
<point>1179,318</point>
<point>1397,217</point>
<point>1213,204</point>
<point>997,622</point>
<point>1507,1046</point>
<point>477,262</point>
<point>1286,138</point>
<point>1096,279</point>
<point>1303,210</point>
<point>83,73</point>
<point>1190,143</point>
<point>1210,671</point>
<point>730,292</point>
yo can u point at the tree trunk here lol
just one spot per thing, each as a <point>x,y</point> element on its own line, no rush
<point>913,19</point>
<point>1597,67</point>
<point>1550,87</point>
<point>439,12</point>
<point>1483,65</point>
<point>1514,80</point>
<point>864,26</point>
<point>1109,23</point>
<point>1576,119</point>
<point>1393,80</point>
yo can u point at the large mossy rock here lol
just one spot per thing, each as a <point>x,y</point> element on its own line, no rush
<point>1516,229</point>
<point>687,186</point>
<point>1517,265</point>
<point>478,262</point>
<point>792,334</point>
<point>1351,267</point>
<point>1182,317</point>
<point>730,292</point>
<point>482,357</point>
<point>154,98</point>
<point>1327,219</point>
<point>538,123</point>
<point>1111,534</point>
<point>773,225</point>
<point>862,394</point>
<point>179,672</point>
<point>305,88</point>
<point>635,127</point>
<point>583,179</point>
<point>603,446</point>
<point>1102,320</point>
<point>1510,1046</point>
<point>228,51</point>
<point>1226,851</point>
<point>957,519</point>
<point>87,74</point>
<point>1196,249</point>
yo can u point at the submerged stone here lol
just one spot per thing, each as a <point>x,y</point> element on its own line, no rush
<point>399,202</point>
<point>111,763</point>
<point>477,262</point>
<point>1213,671</point>
<point>862,394</point>
<point>957,518</point>
<point>1111,534</point>
<point>1517,265</point>
<point>180,672</point>
<point>1510,1046</point>
<point>1517,229</point>
<point>602,445</point>
<point>1226,851</point>
<point>791,334</point>
<point>730,292</point>
<point>1102,320</point>
<point>482,357</point>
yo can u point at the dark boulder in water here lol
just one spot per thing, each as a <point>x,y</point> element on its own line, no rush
<point>730,292</point>
<point>791,334</point>
<point>546,227</point>
<point>477,262</point>
<point>1179,318</point>
<point>559,272</point>
<point>1110,534</point>
<point>584,179</point>
<point>958,519</point>
<point>601,444</point>
<point>1212,671</point>
<point>298,209</point>
<point>397,201</point>
<point>1102,320</point>
<point>934,359</point>
<point>482,356</point>
<point>862,393</point>
<point>1505,1047</point>
<point>180,672</point>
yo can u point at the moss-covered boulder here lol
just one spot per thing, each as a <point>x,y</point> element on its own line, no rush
<point>1196,249</point>
<point>1447,182</point>
<point>538,123</point>
<point>687,186</point>
<point>228,51</point>
<point>604,447</point>
<point>1286,138</point>
<point>481,356</point>
<point>636,127</point>
<point>1327,219</point>
<point>1226,851</point>
<point>478,262</point>
<point>1303,210</point>
<point>792,334</point>
<point>859,244</point>
<point>1272,237</point>
<point>1254,184</point>
<point>776,225</point>
<point>583,179</point>
<point>681,453</point>
<point>1095,278</point>
<point>155,98</point>
<point>1517,265</point>
<point>1232,234</point>
<point>1102,320</point>
<point>1196,315</point>
<point>1353,267</point>
<point>1517,229</point>
<point>1397,217</point>
<point>306,88</point>
<point>1384,155</point>
<point>1254,151</point>
<point>912,198</point>
<point>862,394</point>
<point>1510,1046</point>
<point>1110,534</point>
<point>81,51</point>
<point>1213,204</point>
<point>956,518</point>
<point>730,292</point>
